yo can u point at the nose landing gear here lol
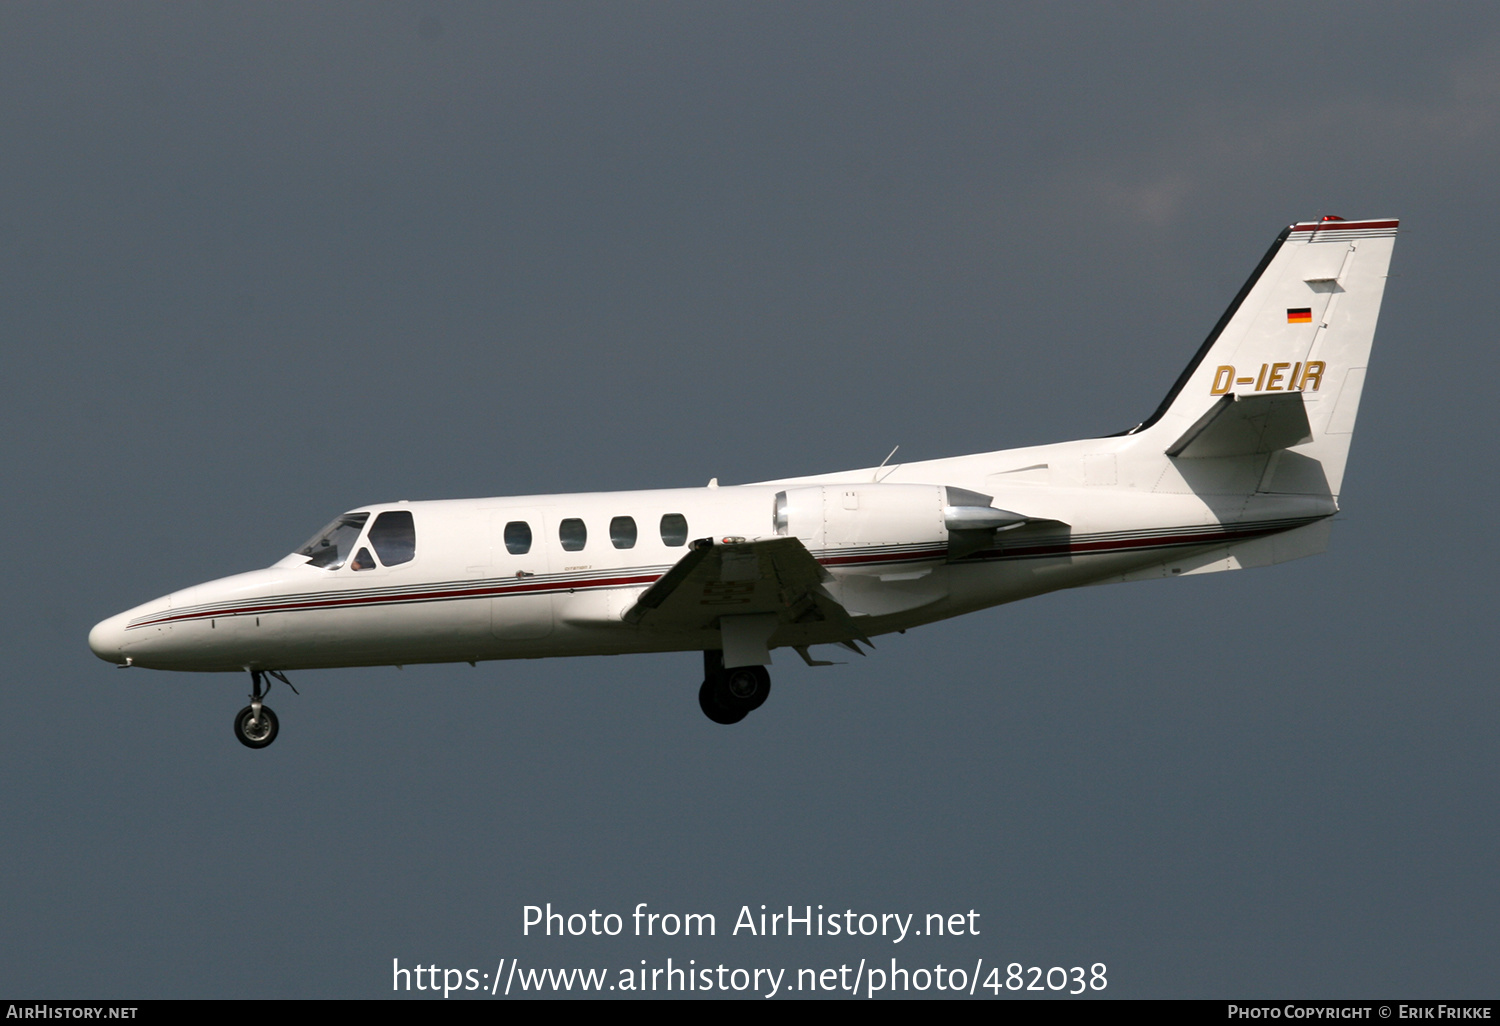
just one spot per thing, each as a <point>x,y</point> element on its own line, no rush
<point>256,729</point>
<point>728,696</point>
<point>256,725</point>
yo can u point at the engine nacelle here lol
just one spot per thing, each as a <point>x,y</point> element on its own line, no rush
<point>864,515</point>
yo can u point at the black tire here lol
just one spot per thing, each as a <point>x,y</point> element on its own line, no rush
<point>745,687</point>
<point>256,735</point>
<point>710,702</point>
<point>765,688</point>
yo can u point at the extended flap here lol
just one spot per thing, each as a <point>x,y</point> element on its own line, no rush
<point>738,579</point>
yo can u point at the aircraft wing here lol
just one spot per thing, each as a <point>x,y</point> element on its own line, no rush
<point>771,577</point>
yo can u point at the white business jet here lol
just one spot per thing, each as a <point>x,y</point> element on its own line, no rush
<point>1239,467</point>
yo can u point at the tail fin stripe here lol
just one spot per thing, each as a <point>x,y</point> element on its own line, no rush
<point>1346,227</point>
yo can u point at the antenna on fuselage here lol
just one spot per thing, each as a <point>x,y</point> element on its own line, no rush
<point>876,476</point>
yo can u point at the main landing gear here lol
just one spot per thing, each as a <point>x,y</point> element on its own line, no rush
<point>256,725</point>
<point>728,696</point>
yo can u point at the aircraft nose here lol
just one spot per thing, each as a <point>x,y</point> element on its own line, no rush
<point>107,639</point>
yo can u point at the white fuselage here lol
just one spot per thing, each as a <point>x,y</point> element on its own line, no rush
<point>465,596</point>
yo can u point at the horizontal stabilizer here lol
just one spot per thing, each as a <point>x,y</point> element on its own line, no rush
<point>1246,426</point>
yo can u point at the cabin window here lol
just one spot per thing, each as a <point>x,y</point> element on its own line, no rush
<point>518,537</point>
<point>674,529</point>
<point>572,534</point>
<point>622,532</point>
<point>363,560</point>
<point>330,546</point>
<point>394,536</point>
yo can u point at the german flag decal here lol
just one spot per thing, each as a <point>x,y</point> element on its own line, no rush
<point>1301,315</point>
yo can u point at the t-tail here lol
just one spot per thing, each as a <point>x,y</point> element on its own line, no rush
<point>1281,374</point>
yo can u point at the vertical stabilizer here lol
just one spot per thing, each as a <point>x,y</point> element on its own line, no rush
<point>1302,325</point>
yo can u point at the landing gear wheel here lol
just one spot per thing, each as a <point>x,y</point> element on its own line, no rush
<point>709,702</point>
<point>728,696</point>
<point>256,732</point>
<point>749,686</point>
<point>745,687</point>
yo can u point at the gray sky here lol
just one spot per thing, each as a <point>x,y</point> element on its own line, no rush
<point>262,263</point>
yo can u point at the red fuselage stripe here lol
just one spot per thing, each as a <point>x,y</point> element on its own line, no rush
<point>924,555</point>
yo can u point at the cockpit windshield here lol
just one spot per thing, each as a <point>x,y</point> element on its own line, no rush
<point>331,546</point>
